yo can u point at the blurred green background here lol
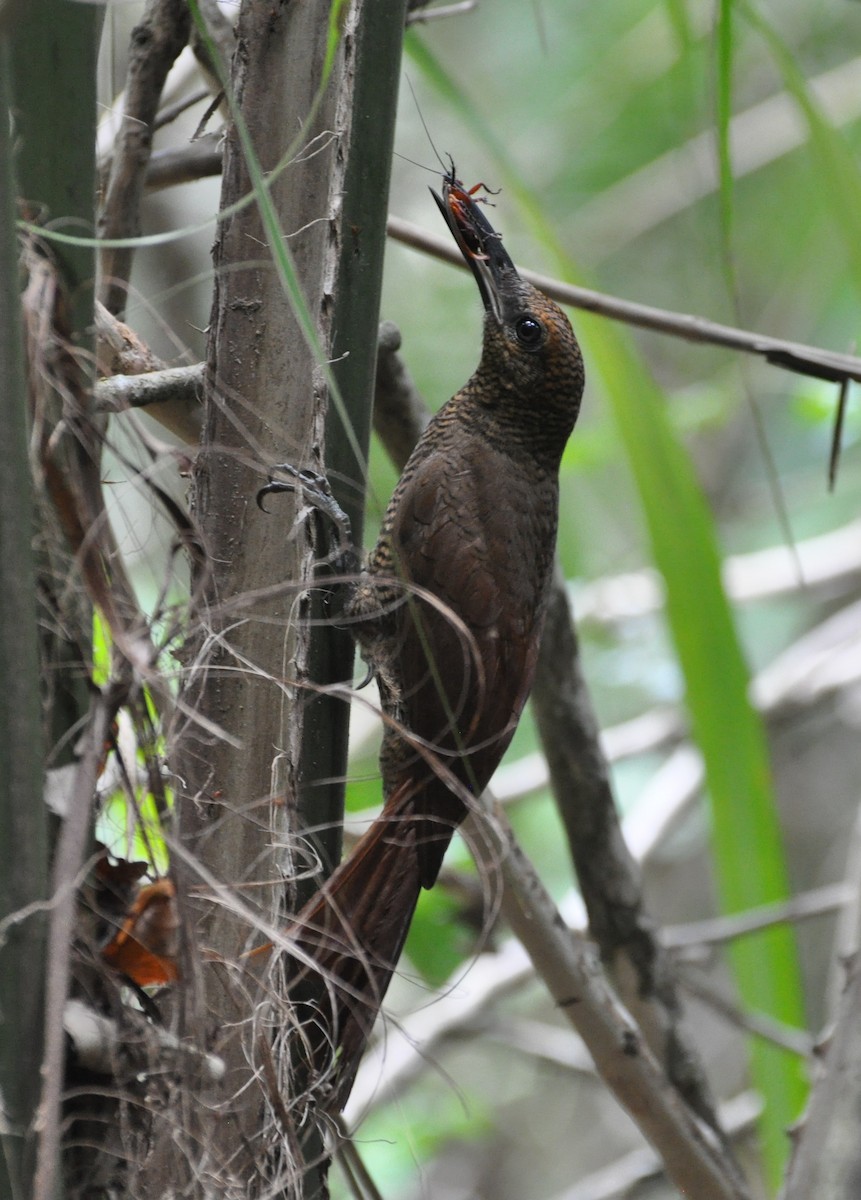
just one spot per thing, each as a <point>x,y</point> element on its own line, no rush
<point>702,157</point>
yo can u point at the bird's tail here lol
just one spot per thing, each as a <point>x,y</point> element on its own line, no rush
<point>354,929</point>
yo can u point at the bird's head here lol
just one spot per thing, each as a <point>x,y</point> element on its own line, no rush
<point>529,348</point>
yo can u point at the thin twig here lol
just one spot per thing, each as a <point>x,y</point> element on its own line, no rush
<point>422,15</point>
<point>71,848</point>
<point>173,396</point>
<point>170,112</point>
<point>829,560</point>
<point>817,902</point>
<point>796,1041</point>
<point>826,1162</point>
<point>837,435</point>
<point>616,1181</point>
<point>174,165</point>
<point>156,43</point>
<point>792,356</point>
<point>195,162</point>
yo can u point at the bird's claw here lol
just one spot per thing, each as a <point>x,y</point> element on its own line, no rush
<point>316,492</point>
<point>366,679</point>
<point>311,482</point>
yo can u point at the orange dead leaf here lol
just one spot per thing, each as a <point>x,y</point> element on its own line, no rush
<point>144,949</point>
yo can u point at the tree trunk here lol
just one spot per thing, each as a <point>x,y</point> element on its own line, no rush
<point>23,817</point>
<point>253,740</point>
<point>52,49</point>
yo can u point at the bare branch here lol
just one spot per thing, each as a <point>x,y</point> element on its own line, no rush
<point>421,15</point>
<point>571,969</point>
<point>847,933</point>
<point>615,1182</point>
<point>172,397</point>
<point>168,113</point>
<point>792,356</point>
<point>829,560</point>
<point>796,1041</point>
<point>817,902</point>
<point>119,350</point>
<point>609,879</point>
<point>196,161</point>
<point>693,1158</point>
<point>400,413</point>
<point>220,31</point>
<point>69,856</point>
<point>826,1163</point>
<point>156,42</point>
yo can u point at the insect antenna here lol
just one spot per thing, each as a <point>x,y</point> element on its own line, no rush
<point>427,131</point>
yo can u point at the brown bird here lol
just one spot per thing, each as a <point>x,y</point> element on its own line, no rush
<point>448,614</point>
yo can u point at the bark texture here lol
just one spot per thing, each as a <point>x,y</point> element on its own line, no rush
<point>256,659</point>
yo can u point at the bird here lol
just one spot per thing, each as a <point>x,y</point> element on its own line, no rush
<point>447,612</point>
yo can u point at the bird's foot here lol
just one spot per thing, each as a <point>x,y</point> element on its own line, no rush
<point>368,677</point>
<point>317,493</point>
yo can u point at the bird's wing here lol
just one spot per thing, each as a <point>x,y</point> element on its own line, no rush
<point>464,662</point>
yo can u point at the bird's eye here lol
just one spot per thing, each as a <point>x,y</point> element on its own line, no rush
<point>530,332</point>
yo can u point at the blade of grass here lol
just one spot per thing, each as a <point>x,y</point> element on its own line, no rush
<point>723,110</point>
<point>677,14</point>
<point>840,182</point>
<point>726,192</point>
<point>746,836</point>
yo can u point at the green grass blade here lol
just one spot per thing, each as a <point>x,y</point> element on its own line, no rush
<point>840,176</point>
<point>746,836</point>
<point>679,19</point>
<point>723,107</point>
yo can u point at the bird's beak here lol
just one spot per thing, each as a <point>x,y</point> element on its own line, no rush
<point>480,245</point>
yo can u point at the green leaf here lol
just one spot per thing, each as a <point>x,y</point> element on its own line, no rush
<point>101,650</point>
<point>438,941</point>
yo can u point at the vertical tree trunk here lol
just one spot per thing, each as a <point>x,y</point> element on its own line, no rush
<point>52,75</point>
<point>23,817</point>
<point>254,660</point>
